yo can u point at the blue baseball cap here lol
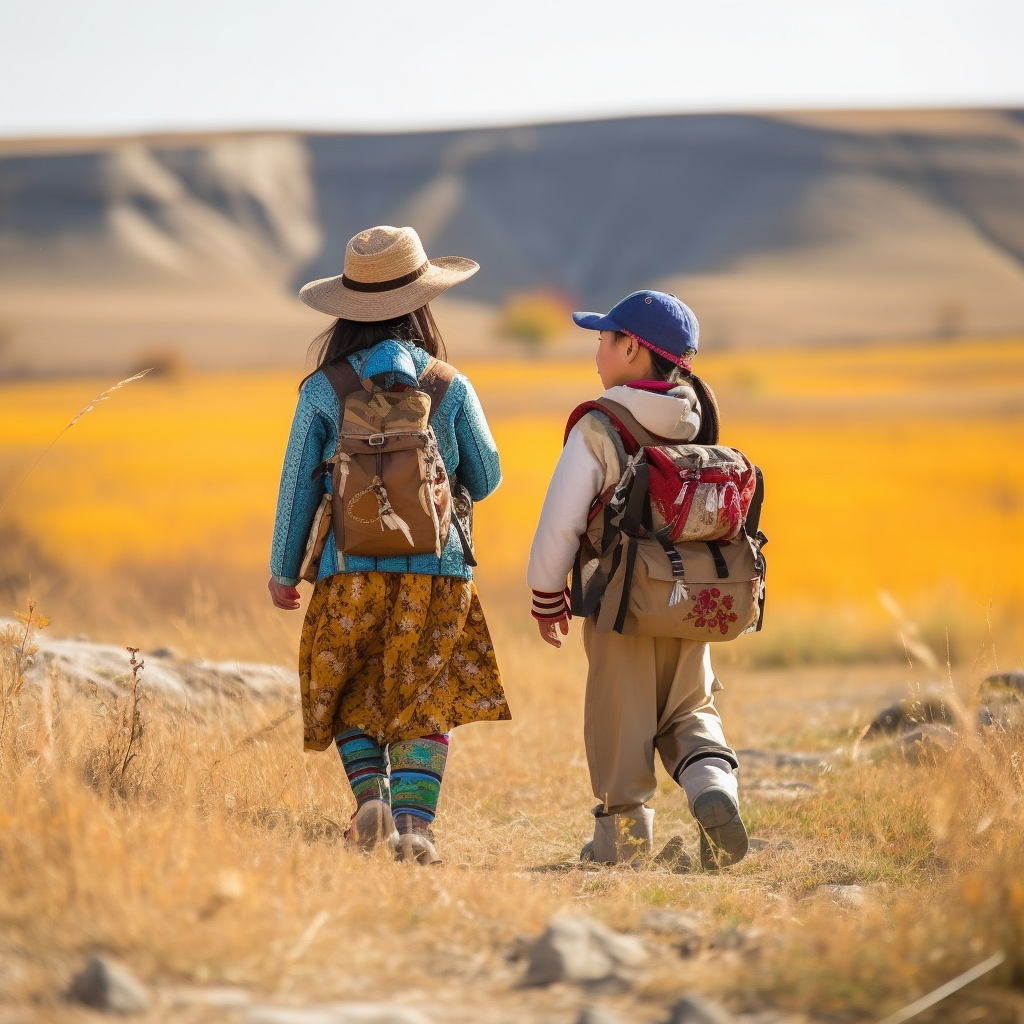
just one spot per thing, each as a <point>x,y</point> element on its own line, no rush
<point>657,320</point>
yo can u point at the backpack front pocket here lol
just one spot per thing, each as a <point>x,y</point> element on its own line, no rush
<point>720,597</point>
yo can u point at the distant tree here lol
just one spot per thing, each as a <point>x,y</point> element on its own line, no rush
<point>950,317</point>
<point>162,362</point>
<point>536,318</point>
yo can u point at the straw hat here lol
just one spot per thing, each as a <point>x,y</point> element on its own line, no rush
<point>387,274</point>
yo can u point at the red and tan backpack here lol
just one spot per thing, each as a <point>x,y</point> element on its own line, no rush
<point>674,548</point>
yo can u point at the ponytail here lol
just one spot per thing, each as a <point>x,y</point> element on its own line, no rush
<point>710,418</point>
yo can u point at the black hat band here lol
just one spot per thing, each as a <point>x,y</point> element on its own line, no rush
<point>385,286</point>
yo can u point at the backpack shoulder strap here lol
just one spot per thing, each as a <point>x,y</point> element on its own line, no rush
<point>640,434</point>
<point>629,428</point>
<point>435,381</point>
<point>620,437</point>
<point>753,520</point>
<point>343,379</point>
<point>607,413</point>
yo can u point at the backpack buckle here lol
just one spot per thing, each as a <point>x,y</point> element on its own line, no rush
<point>376,440</point>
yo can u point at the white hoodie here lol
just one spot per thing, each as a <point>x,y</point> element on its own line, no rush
<point>588,465</point>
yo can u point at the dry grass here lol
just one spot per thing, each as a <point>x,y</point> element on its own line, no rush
<point>207,857</point>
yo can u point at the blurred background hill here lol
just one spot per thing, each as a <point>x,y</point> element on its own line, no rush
<point>779,229</point>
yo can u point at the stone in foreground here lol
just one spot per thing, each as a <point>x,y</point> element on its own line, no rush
<point>105,985</point>
<point>595,1015</point>
<point>685,927</point>
<point>338,1013</point>
<point>578,949</point>
<point>698,1010</point>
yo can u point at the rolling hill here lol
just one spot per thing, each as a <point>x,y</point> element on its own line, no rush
<point>796,228</point>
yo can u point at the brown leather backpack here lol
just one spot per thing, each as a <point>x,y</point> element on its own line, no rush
<point>390,493</point>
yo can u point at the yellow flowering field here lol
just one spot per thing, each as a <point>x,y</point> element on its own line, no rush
<point>898,467</point>
<point>892,467</point>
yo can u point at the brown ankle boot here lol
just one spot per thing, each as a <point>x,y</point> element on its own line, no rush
<point>371,825</point>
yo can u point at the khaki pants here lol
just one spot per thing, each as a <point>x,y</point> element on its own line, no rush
<point>644,694</point>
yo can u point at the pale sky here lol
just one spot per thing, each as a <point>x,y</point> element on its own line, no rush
<point>99,66</point>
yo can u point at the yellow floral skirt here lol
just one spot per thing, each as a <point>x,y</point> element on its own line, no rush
<point>397,656</point>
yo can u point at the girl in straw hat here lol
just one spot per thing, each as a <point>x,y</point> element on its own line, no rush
<point>395,651</point>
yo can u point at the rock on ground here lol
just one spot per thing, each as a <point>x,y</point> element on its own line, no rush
<point>105,666</point>
<point>845,895</point>
<point>907,714</point>
<point>927,743</point>
<point>108,986</point>
<point>593,1015</point>
<point>579,949</point>
<point>685,927</point>
<point>675,857</point>
<point>698,1010</point>
<point>338,1013</point>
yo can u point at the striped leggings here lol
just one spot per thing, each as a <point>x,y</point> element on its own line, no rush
<point>407,773</point>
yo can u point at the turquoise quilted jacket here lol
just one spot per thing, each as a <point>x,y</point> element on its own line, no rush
<point>463,436</point>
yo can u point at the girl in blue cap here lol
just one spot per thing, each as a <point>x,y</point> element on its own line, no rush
<point>644,693</point>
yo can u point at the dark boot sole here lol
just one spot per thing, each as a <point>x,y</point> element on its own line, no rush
<point>723,836</point>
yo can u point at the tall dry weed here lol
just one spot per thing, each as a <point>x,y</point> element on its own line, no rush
<point>114,767</point>
<point>17,650</point>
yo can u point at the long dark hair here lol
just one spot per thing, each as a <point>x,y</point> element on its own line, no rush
<point>344,337</point>
<point>710,417</point>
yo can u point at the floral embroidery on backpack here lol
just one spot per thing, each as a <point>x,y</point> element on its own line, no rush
<point>711,609</point>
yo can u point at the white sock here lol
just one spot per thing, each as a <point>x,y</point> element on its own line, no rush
<point>708,773</point>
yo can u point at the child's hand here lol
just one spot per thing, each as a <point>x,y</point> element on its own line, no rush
<point>283,596</point>
<point>551,610</point>
<point>549,632</point>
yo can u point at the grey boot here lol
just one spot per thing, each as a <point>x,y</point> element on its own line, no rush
<point>620,838</point>
<point>711,792</point>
